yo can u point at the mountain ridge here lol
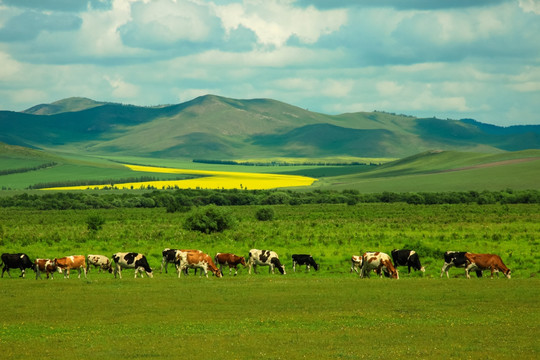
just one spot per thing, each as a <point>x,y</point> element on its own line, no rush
<point>212,126</point>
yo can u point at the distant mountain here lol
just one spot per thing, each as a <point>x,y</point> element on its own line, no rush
<point>215,127</point>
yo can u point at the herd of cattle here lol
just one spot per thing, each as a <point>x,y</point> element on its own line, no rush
<point>365,264</point>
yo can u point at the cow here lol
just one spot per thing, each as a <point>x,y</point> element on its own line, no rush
<point>264,258</point>
<point>303,259</point>
<point>380,262</point>
<point>16,261</point>
<point>484,262</point>
<point>100,261</point>
<point>67,263</point>
<point>196,260</point>
<point>169,256</point>
<point>409,258</point>
<point>44,265</point>
<point>131,260</point>
<point>356,262</point>
<point>457,259</point>
<point>231,260</point>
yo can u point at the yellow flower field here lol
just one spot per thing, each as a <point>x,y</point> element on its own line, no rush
<point>208,180</point>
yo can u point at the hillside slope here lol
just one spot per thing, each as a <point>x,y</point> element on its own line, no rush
<point>215,127</point>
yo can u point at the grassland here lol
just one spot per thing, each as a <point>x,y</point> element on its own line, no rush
<point>430,171</point>
<point>326,314</point>
<point>290,317</point>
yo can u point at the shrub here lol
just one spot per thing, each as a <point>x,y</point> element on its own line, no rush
<point>209,219</point>
<point>95,222</point>
<point>265,214</point>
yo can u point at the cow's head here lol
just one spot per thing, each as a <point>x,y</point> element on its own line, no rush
<point>217,273</point>
<point>277,264</point>
<point>507,273</point>
<point>150,273</point>
<point>243,261</point>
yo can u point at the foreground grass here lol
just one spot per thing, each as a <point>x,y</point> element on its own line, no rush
<point>271,317</point>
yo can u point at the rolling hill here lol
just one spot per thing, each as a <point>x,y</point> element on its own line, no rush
<point>213,127</point>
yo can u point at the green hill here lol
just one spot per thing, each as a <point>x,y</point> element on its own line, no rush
<point>215,127</point>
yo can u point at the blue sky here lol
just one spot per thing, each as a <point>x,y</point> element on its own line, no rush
<point>446,58</point>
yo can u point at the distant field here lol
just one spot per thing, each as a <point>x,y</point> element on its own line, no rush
<point>431,171</point>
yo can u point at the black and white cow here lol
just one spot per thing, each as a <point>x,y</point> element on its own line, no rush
<point>304,259</point>
<point>457,259</point>
<point>131,260</point>
<point>264,258</point>
<point>409,258</point>
<point>16,261</point>
<point>169,256</point>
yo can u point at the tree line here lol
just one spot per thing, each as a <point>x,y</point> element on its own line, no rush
<point>184,199</point>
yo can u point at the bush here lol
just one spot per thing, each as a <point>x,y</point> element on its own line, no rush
<point>209,219</point>
<point>95,222</point>
<point>265,214</point>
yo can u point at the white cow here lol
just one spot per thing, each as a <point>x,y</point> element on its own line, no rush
<point>100,261</point>
<point>264,258</point>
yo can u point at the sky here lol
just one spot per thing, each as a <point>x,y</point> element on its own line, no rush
<point>446,58</point>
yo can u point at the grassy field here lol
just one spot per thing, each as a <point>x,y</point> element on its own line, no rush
<point>327,314</point>
<point>270,317</point>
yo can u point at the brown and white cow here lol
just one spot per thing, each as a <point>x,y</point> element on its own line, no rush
<point>131,260</point>
<point>196,260</point>
<point>67,263</point>
<point>486,262</point>
<point>99,261</point>
<point>380,262</point>
<point>231,260</point>
<point>356,263</point>
<point>45,265</point>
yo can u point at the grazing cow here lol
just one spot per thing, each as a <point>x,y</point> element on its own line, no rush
<point>303,259</point>
<point>380,262</point>
<point>231,260</point>
<point>71,262</point>
<point>16,261</point>
<point>457,259</point>
<point>407,258</point>
<point>197,260</point>
<point>100,261</point>
<point>169,256</point>
<point>356,262</point>
<point>485,262</point>
<point>44,265</point>
<point>131,260</point>
<point>264,258</point>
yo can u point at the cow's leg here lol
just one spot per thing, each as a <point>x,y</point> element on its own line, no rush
<point>467,269</point>
<point>294,266</point>
<point>22,273</point>
<point>444,269</point>
<point>38,273</point>
<point>308,268</point>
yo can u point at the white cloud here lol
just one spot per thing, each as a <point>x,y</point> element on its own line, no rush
<point>275,22</point>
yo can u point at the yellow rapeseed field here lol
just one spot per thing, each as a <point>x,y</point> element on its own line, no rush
<point>208,180</point>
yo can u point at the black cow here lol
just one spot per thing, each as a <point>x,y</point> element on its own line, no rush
<point>457,259</point>
<point>409,258</point>
<point>303,259</point>
<point>16,261</point>
<point>169,256</point>
<point>131,261</point>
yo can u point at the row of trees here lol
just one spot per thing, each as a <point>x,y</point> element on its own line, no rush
<point>183,200</point>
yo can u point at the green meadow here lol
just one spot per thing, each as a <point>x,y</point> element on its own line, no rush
<point>295,316</point>
<point>327,314</point>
